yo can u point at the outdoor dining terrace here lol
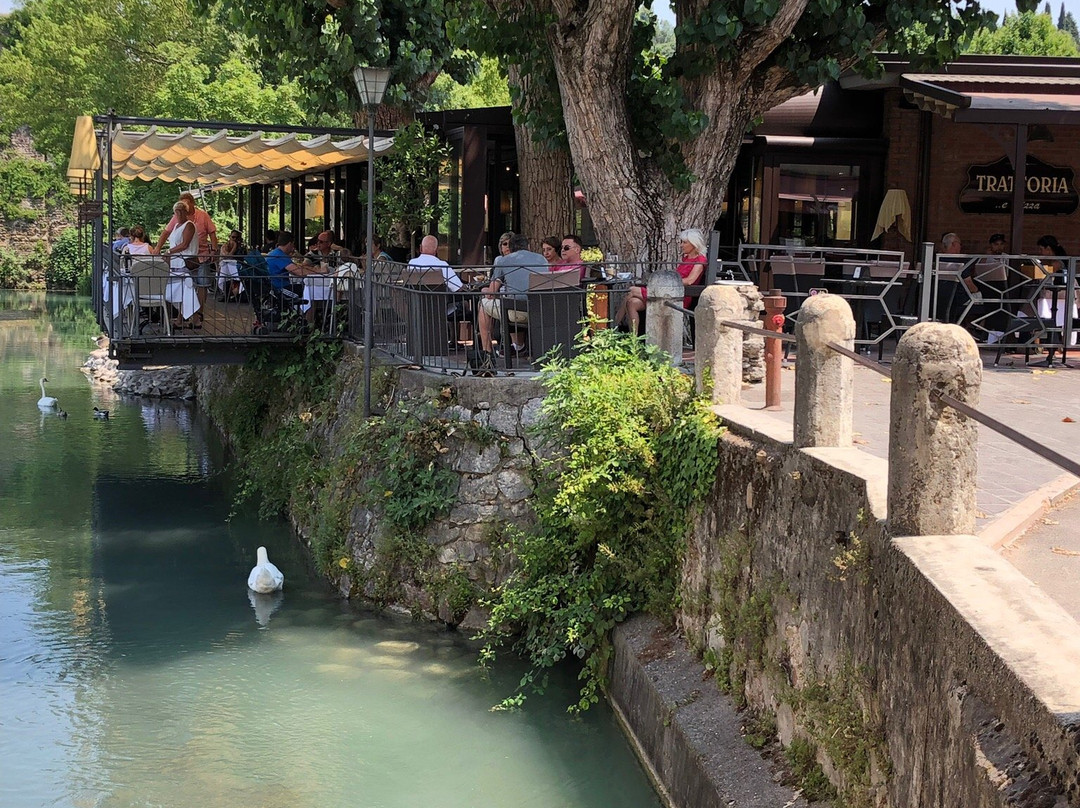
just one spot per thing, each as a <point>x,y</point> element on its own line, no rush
<point>1008,303</point>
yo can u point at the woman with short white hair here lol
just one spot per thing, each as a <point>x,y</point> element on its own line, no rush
<point>183,251</point>
<point>691,269</point>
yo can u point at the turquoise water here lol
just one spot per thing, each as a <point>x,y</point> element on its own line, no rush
<point>136,671</point>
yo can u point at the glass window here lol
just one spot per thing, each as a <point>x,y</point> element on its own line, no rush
<point>818,205</point>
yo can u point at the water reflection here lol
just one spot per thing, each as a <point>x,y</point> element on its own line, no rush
<point>133,674</point>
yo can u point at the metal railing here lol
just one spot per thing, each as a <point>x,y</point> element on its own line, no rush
<point>143,300</point>
<point>1004,301</point>
<point>418,319</point>
<point>1032,445</point>
<point>1008,301</point>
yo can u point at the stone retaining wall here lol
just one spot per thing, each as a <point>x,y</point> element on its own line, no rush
<point>494,483</point>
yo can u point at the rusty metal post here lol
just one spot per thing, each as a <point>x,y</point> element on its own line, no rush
<point>775,303</point>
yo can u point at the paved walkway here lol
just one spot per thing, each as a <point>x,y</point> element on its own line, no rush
<point>1014,485</point>
<point>1049,553</point>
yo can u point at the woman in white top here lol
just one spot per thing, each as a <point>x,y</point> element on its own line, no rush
<point>183,244</point>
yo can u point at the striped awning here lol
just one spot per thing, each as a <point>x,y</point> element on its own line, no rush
<point>214,158</point>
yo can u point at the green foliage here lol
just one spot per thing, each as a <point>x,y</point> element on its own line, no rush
<point>408,175</point>
<point>152,57</point>
<point>486,87</point>
<point>14,274</point>
<point>320,43</point>
<point>67,264</point>
<point>837,718</point>
<point>801,755</point>
<point>1025,34</point>
<point>1067,23</point>
<point>613,508</point>
<point>29,188</point>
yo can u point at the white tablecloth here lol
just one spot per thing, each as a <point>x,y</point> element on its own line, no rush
<point>1046,309</point>
<point>118,290</point>
<point>228,270</point>
<point>317,288</point>
<point>180,290</point>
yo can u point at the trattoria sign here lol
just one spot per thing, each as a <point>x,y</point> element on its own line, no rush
<point>1047,190</point>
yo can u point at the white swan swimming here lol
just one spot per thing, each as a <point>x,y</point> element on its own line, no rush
<point>264,576</point>
<point>46,402</point>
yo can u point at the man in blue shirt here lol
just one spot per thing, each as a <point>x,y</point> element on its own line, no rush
<point>282,267</point>
<point>123,238</point>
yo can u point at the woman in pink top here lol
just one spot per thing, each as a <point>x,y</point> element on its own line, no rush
<point>691,269</point>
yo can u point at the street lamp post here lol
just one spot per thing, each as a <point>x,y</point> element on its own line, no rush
<point>371,84</point>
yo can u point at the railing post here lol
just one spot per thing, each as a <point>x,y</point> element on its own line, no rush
<point>932,447</point>
<point>927,281</point>
<point>663,324</point>
<point>775,304</point>
<point>718,355</point>
<point>824,379</point>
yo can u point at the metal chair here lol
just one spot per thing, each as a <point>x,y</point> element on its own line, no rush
<point>151,278</point>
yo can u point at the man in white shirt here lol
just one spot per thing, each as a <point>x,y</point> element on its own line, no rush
<point>429,246</point>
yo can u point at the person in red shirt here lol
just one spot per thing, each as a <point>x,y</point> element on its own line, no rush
<point>208,243</point>
<point>691,269</point>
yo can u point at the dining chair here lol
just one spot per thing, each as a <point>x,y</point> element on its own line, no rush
<point>151,278</point>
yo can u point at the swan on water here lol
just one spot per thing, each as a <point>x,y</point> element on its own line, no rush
<point>264,576</point>
<point>46,402</point>
<point>101,415</point>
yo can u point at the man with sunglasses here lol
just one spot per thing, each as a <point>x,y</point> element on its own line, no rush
<point>571,256</point>
<point>327,249</point>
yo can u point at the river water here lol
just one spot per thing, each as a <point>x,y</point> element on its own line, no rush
<point>136,671</point>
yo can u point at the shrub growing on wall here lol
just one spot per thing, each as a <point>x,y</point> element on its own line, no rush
<point>613,506</point>
<point>68,265</point>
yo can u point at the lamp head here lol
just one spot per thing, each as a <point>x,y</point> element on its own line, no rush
<point>371,84</point>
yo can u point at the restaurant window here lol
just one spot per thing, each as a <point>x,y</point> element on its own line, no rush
<point>818,205</point>
<point>448,207</point>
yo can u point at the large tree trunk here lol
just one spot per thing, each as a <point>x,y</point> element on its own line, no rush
<point>545,178</point>
<point>636,208</point>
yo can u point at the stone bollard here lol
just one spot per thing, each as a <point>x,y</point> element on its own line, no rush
<point>932,447</point>
<point>719,349</point>
<point>663,324</point>
<point>824,379</point>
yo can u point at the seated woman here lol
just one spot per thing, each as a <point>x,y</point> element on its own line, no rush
<point>228,280</point>
<point>551,249</point>
<point>182,251</point>
<point>691,269</point>
<point>1051,303</point>
<point>138,244</point>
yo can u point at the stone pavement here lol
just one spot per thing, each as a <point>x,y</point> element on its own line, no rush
<point>1015,486</point>
<point>1049,553</point>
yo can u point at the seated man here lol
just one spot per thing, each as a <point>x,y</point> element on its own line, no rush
<point>513,271</point>
<point>571,256</point>
<point>283,269</point>
<point>429,247</point>
<point>428,259</point>
<point>327,249</point>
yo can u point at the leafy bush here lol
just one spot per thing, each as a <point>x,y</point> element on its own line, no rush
<point>613,508</point>
<point>24,180</point>
<point>68,266</point>
<point>14,273</point>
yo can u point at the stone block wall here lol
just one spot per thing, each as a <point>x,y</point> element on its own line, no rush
<point>492,491</point>
<point>494,483</point>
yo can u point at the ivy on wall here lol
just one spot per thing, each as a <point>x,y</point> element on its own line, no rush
<point>635,449</point>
